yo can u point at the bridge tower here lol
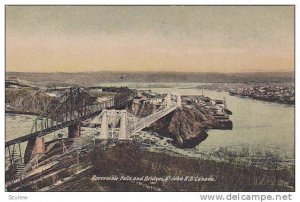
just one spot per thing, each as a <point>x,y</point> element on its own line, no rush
<point>224,101</point>
<point>168,100</point>
<point>104,126</point>
<point>178,100</point>
<point>123,126</point>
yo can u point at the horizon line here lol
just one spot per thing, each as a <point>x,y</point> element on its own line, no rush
<point>107,71</point>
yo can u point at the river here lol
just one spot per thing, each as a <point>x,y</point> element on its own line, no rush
<point>258,126</point>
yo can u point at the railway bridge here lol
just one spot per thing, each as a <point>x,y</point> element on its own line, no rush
<point>67,111</point>
<point>76,105</point>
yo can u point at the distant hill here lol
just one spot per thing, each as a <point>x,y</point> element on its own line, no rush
<point>92,78</point>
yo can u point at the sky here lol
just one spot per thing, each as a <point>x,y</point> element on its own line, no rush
<point>219,39</point>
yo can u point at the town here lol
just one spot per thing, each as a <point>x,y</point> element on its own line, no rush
<point>283,93</point>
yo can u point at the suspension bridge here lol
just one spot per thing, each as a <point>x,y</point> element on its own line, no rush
<point>76,105</point>
<point>67,111</point>
<point>121,125</point>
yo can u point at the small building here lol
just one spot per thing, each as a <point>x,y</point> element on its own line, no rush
<point>98,90</point>
<point>156,101</point>
<point>219,102</point>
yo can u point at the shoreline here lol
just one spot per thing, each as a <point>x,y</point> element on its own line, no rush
<point>264,100</point>
<point>21,113</point>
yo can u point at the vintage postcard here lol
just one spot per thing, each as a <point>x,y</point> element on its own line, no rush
<point>149,98</point>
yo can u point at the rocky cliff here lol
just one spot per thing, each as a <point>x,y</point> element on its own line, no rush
<point>26,100</point>
<point>126,166</point>
<point>186,125</point>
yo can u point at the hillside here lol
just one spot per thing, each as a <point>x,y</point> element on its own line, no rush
<point>93,78</point>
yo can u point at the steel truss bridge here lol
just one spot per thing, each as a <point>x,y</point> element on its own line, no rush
<point>72,107</point>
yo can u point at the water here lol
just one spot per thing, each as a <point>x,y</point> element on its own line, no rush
<point>259,126</point>
<point>18,125</point>
<point>256,124</point>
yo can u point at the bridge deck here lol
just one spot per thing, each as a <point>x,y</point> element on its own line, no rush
<point>147,121</point>
<point>65,124</point>
<point>46,131</point>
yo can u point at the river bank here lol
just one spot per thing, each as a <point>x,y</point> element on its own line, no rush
<point>255,131</point>
<point>254,136</point>
<point>122,162</point>
<point>188,124</point>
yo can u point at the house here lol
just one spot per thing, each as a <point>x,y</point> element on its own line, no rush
<point>156,101</point>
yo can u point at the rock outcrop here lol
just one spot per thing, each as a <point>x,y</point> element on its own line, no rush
<point>26,100</point>
<point>187,125</point>
<point>184,125</point>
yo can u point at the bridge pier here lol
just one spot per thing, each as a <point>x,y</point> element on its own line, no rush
<point>39,147</point>
<point>29,150</point>
<point>34,146</point>
<point>74,131</point>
